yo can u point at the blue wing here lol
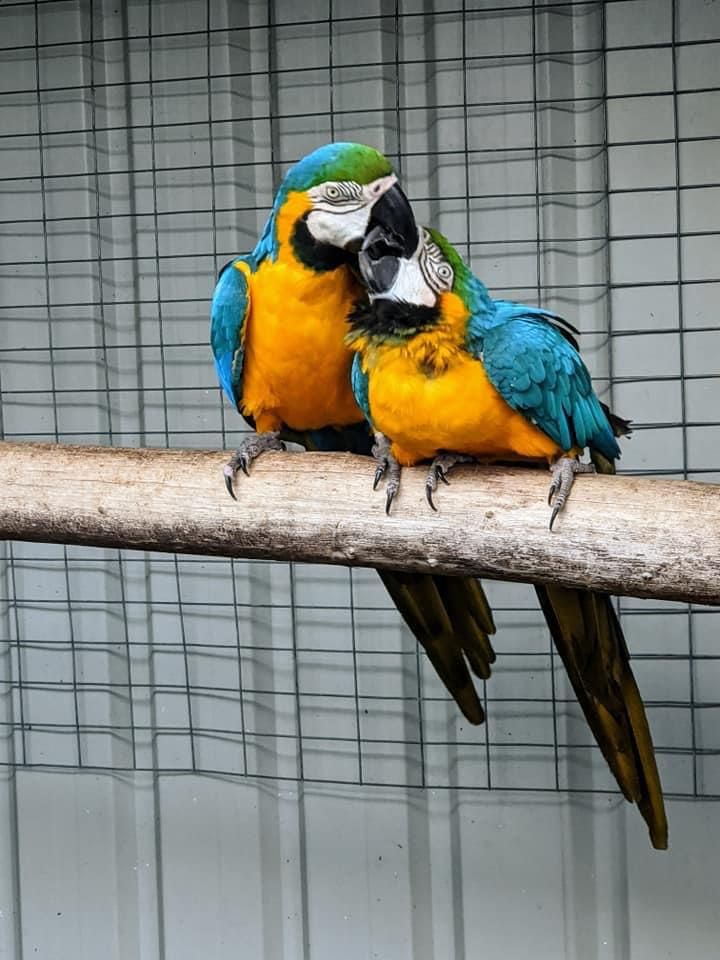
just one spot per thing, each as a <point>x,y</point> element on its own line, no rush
<point>359,383</point>
<point>539,372</point>
<point>230,308</point>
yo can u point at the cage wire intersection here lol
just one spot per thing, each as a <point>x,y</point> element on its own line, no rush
<point>570,150</point>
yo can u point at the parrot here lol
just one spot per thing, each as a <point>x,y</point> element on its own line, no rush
<point>277,333</point>
<point>444,373</point>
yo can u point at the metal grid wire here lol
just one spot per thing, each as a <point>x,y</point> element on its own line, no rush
<point>570,150</point>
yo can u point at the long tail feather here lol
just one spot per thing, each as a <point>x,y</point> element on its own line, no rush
<point>590,641</point>
<point>451,618</point>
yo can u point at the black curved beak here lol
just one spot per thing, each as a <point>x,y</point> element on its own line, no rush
<point>393,214</point>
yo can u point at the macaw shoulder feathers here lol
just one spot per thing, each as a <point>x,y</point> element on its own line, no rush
<point>507,310</point>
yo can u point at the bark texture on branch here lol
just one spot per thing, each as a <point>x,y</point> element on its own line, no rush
<point>641,537</point>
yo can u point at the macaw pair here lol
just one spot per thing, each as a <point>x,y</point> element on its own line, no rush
<point>440,372</point>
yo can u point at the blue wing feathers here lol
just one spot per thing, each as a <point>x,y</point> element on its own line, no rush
<point>230,306</point>
<point>359,382</point>
<point>522,381</point>
<point>538,371</point>
<point>223,367</point>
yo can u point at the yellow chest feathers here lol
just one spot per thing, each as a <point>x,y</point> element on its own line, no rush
<point>428,353</point>
<point>429,394</point>
<point>296,367</point>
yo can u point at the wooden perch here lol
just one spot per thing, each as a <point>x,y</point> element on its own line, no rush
<point>645,538</point>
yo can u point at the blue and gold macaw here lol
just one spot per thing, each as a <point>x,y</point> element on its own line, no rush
<point>279,319</point>
<point>444,373</point>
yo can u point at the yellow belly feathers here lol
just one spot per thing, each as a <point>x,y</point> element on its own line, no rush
<point>429,394</point>
<point>296,369</point>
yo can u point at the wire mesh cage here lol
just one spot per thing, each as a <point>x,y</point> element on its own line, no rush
<point>569,149</point>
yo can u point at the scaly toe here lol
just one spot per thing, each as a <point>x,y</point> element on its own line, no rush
<point>379,473</point>
<point>563,477</point>
<point>387,466</point>
<point>439,469</point>
<point>393,484</point>
<point>249,450</point>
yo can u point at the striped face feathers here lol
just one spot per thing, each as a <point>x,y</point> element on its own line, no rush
<point>341,209</point>
<point>418,279</point>
<point>437,271</point>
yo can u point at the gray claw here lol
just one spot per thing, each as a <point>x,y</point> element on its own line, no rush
<point>439,469</point>
<point>563,472</point>
<point>249,450</point>
<point>556,511</point>
<point>386,465</point>
<point>229,474</point>
<point>428,495</point>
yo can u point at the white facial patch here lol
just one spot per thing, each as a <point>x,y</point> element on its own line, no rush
<point>422,277</point>
<point>341,209</point>
<point>410,285</point>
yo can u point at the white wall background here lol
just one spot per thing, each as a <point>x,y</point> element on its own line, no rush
<point>571,149</point>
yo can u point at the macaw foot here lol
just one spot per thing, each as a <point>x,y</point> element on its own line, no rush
<point>248,451</point>
<point>563,476</point>
<point>386,465</point>
<point>439,469</point>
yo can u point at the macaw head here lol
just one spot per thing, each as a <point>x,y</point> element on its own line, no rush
<point>342,190</point>
<point>434,267</point>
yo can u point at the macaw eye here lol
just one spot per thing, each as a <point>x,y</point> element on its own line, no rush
<point>435,269</point>
<point>444,272</point>
<point>332,192</point>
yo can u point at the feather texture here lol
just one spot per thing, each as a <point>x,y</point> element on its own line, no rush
<point>540,373</point>
<point>278,324</point>
<point>498,379</point>
<point>229,311</point>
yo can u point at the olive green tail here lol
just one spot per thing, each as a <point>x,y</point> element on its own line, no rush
<point>590,641</point>
<point>451,618</point>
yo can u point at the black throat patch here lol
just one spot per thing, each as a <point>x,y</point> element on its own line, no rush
<point>391,319</point>
<point>319,256</point>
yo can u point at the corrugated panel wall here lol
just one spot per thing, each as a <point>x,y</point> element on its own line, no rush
<point>571,151</point>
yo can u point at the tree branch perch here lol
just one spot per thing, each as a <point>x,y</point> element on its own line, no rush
<point>624,535</point>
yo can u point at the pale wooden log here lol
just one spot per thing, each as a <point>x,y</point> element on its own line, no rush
<point>641,537</point>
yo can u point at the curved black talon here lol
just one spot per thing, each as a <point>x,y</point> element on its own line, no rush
<point>564,471</point>
<point>556,511</point>
<point>388,466</point>
<point>229,485</point>
<point>436,473</point>
<point>439,469</point>
<point>249,450</point>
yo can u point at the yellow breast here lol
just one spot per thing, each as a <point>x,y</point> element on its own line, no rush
<point>429,394</point>
<point>296,368</point>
